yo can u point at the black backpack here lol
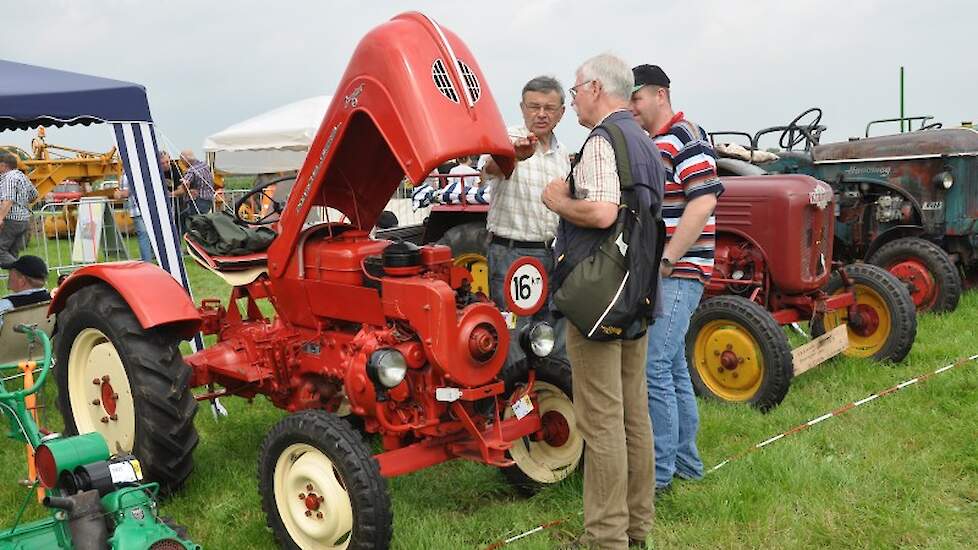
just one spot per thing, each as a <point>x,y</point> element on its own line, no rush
<point>610,293</point>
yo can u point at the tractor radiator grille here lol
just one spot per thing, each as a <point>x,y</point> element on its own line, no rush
<point>808,252</point>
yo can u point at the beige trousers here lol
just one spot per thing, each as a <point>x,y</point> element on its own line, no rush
<point>612,408</point>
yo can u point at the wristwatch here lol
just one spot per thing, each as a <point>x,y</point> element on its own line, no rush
<point>667,263</point>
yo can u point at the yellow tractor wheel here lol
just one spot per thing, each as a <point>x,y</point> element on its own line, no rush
<point>738,353</point>
<point>470,244</point>
<point>883,324</point>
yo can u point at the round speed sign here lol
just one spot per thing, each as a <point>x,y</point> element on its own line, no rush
<point>526,286</point>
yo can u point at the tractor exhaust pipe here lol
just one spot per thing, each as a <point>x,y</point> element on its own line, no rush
<point>88,530</point>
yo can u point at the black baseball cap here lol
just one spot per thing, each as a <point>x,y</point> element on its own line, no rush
<point>31,266</point>
<point>649,74</point>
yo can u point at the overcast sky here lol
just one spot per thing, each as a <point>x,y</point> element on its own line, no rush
<point>734,64</point>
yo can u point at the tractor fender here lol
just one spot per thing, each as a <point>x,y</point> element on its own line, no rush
<point>892,234</point>
<point>153,294</point>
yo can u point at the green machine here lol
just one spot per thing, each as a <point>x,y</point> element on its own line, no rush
<point>96,500</point>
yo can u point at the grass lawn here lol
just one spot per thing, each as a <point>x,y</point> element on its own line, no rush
<point>898,472</point>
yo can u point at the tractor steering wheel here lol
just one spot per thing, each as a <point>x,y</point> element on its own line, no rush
<point>789,137</point>
<point>261,193</point>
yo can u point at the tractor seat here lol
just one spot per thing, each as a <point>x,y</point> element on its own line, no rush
<point>235,270</point>
<point>13,346</point>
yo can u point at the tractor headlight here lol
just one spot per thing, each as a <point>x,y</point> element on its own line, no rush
<point>538,339</point>
<point>945,179</point>
<point>387,367</point>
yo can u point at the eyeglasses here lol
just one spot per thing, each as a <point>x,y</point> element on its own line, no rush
<point>533,108</point>
<point>573,89</point>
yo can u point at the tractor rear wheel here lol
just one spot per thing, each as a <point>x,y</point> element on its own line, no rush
<point>556,451</point>
<point>126,383</point>
<point>738,353</point>
<point>887,322</point>
<point>931,277</point>
<point>470,249</point>
<point>320,486</point>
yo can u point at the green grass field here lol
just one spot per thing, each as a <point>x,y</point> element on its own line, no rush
<point>898,472</point>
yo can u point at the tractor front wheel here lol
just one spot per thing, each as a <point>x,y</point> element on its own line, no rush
<point>470,249</point>
<point>884,323</point>
<point>320,486</point>
<point>927,271</point>
<point>738,353</point>
<point>126,383</point>
<point>555,452</point>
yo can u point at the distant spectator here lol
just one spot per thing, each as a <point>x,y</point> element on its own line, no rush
<point>28,276</point>
<point>132,207</point>
<point>197,185</point>
<point>466,173</point>
<point>16,194</point>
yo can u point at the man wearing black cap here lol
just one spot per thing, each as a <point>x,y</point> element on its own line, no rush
<point>28,275</point>
<point>691,192</point>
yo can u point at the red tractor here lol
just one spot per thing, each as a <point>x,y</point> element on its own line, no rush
<point>774,267</point>
<point>388,331</point>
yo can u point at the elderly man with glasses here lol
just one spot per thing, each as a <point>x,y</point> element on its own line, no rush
<point>518,221</point>
<point>610,398</point>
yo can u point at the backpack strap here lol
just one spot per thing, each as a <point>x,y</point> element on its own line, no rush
<point>622,159</point>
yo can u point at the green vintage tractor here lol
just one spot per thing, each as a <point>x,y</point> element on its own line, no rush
<point>907,202</point>
<point>95,500</point>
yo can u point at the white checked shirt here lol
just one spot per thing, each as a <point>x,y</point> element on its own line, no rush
<point>515,210</point>
<point>15,187</point>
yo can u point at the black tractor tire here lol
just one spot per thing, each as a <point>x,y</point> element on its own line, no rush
<point>946,277</point>
<point>164,435</point>
<point>890,294</point>
<point>333,443</point>
<point>467,238</point>
<point>553,378</point>
<point>767,359</point>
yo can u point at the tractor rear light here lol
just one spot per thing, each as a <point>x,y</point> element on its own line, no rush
<point>387,367</point>
<point>538,339</point>
<point>47,466</point>
<point>945,179</point>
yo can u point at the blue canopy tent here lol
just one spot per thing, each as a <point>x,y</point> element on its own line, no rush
<point>32,96</point>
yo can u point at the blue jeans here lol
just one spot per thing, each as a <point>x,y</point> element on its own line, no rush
<point>145,248</point>
<point>672,404</point>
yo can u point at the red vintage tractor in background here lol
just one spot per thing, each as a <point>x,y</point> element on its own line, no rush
<point>390,331</point>
<point>774,267</point>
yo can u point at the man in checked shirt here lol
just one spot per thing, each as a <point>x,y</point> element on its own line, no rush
<point>197,187</point>
<point>519,223</point>
<point>16,194</point>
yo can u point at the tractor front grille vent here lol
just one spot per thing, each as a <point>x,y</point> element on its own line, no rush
<point>444,84</point>
<point>471,81</point>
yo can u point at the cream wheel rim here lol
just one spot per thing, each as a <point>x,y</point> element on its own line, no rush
<point>540,461</point>
<point>99,391</point>
<point>312,501</point>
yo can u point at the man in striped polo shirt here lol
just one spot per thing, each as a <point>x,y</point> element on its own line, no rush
<point>691,192</point>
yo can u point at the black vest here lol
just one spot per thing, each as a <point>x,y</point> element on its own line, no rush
<point>37,296</point>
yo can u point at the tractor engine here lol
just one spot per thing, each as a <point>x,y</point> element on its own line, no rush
<point>389,332</point>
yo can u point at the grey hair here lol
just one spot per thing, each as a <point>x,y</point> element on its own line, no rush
<point>544,84</point>
<point>612,72</point>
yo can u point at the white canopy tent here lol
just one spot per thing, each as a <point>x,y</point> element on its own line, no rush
<point>274,141</point>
